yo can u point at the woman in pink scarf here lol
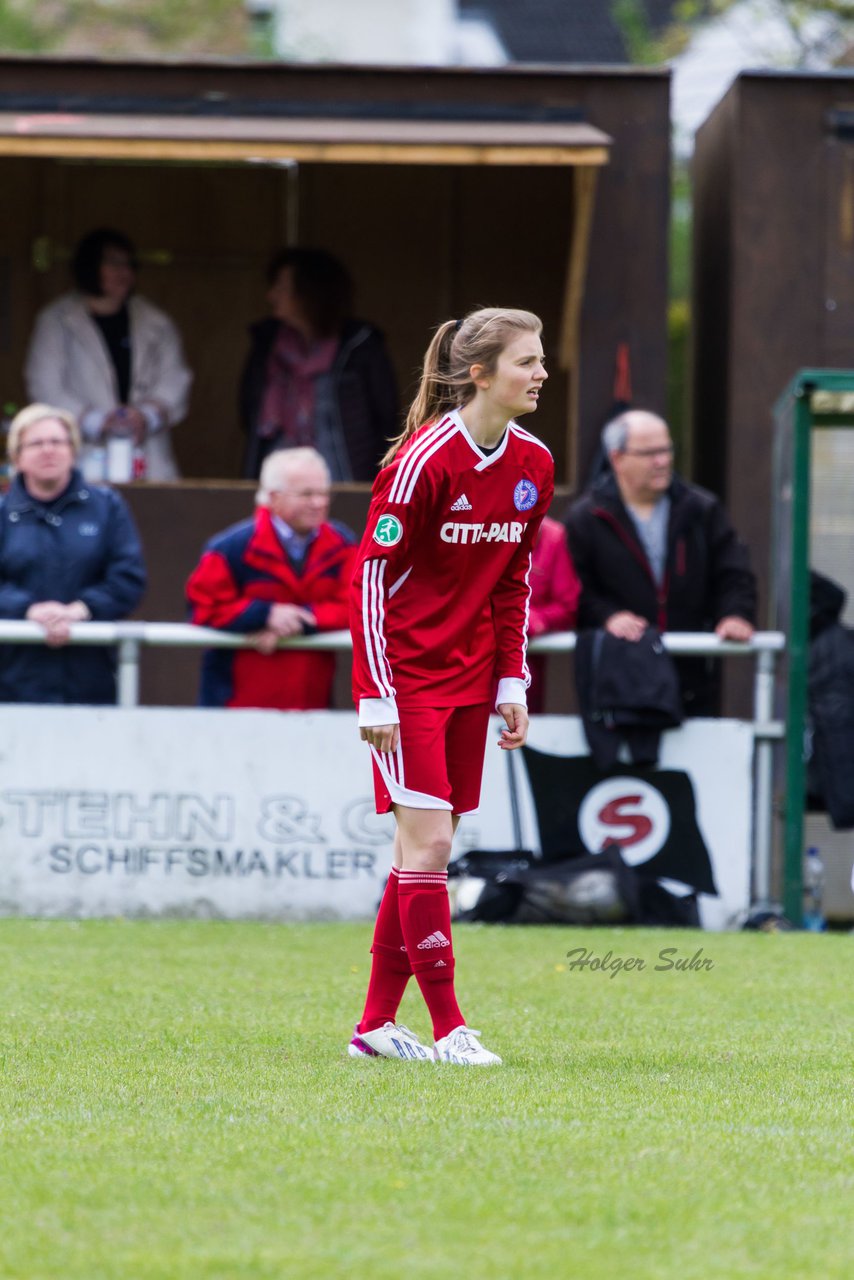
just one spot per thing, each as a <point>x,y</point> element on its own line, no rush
<point>314,375</point>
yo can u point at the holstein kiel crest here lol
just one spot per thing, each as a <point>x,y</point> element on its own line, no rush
<point>525,495</point>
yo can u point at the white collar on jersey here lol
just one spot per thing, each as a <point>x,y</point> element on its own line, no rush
<point>486,459</point>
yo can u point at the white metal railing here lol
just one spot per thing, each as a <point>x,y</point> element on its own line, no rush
<point>129,638</point>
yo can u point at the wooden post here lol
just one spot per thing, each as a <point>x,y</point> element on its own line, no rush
<point>584,192</point>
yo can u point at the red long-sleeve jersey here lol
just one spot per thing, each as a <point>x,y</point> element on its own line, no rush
<point>439,604</point>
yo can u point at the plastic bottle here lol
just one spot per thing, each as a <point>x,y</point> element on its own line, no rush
<point>93,464</point>
<point>120,451</point>
<point>139,468</point>
<point>813,876</point>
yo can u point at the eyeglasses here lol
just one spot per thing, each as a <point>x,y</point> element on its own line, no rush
<point>303,493</point>
<point>664,451</point>
<point>56,442</point>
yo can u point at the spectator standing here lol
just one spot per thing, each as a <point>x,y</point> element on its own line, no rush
<point>69,552</point>
<point>554,599</point>
<point>650,548</point>
<point>112,359</point>
<point>314,374</point>
<point>284,572</point>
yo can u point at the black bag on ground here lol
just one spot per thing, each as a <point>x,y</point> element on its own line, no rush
<point>516,887</point>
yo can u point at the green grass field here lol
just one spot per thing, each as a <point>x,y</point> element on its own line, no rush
<point>177,1104</point>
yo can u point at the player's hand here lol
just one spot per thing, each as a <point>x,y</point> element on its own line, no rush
<point>626,626</point>
<point>382,737</point>
<point>733,628</point>
<point>516,719</point>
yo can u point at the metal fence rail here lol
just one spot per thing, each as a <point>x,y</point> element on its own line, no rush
<point>129,638</point>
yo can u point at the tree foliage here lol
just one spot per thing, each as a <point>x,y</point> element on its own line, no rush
<point>18,30</point>
<point>812,40</point>
<point>125,27</point>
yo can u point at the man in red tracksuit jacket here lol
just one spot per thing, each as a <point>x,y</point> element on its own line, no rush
<point>285,572</point>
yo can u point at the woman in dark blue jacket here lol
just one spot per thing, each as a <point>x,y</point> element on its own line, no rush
<point>69,552</point>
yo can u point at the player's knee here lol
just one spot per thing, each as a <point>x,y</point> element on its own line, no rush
<point>432,854</point>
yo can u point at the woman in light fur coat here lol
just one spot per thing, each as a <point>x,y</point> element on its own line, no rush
<point>112,359</point>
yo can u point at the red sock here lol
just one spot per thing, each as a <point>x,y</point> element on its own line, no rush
<point>425,917</point>
<point>390,968</point>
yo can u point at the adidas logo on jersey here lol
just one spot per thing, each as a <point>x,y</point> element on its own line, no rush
<point>462,504</point>
<point>436,939</point>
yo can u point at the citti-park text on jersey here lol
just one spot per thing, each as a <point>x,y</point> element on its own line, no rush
<point>470,532</point>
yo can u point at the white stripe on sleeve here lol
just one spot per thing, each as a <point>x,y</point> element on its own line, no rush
<point>372,623</point>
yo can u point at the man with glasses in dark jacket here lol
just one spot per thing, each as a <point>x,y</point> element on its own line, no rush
<point>652,549</point>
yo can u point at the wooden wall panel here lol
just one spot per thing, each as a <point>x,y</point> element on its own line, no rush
<point>19,285</point>
<point>626,291</point>
<point>424,245</point>
<point>787,254</point>
<point>392,226</point>
<point>712,283</point>
<point>513,241</point>
<point>776,316</point>
<point>838,311</point>
<point>786,298</point>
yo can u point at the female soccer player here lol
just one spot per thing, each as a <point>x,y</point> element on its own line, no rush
<point>439,613</point>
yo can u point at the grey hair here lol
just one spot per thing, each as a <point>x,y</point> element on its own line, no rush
<point>279,465</point>
<point>615,434</point>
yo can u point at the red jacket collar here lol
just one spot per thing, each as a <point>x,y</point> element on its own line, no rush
<point>265,551</point>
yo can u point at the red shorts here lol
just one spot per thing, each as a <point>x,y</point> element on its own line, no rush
<point>439,762</point>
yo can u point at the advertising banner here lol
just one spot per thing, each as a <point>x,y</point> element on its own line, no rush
<point>269,815</point>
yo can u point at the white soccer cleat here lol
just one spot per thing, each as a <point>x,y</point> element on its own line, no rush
<point>390,1041</point>
<point>462,1047</point>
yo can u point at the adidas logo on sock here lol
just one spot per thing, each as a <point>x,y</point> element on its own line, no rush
<point>436,939</point>
<point>462,504</point>
<point>440,964</point>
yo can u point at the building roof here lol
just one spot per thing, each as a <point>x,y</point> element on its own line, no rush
<point>315,138</point>
<point>561,30</point>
